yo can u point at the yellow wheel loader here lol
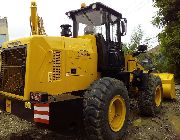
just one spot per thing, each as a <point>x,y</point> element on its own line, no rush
<point>46,78</point>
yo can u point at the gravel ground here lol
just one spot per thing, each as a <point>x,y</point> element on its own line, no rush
<point>166,126</point>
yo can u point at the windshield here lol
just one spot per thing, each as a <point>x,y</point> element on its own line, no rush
<point>93,22</point>
<point>90,22</point>
<point>90,18</point>
<point>85,29</point>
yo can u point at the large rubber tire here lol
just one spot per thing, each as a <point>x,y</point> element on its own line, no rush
<point>147,103</point>
<point>96,105</point>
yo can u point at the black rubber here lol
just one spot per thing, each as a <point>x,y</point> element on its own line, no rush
<point>96,104</point>
<point>146,103</point>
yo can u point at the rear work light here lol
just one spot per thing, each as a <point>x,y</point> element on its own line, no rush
<point>38,97</point>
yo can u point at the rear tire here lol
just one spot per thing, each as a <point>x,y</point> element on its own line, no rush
<point>150,99</point>
<point>102,119</point>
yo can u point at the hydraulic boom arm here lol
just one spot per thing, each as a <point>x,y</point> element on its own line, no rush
<point>36,22</point>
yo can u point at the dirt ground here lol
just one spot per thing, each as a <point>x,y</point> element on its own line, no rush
<point>166,126</point>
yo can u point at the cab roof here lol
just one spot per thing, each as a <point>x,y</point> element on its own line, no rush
<point>98,6</point>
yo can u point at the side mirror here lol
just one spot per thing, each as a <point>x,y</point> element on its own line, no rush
<point>142,48</point>
<point>123,26</point>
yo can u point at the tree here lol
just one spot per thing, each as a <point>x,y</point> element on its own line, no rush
<point>136,38</point>
<point>135,41</point>
<point>168,18</point>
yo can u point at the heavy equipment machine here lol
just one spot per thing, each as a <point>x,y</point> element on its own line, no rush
<point>40,73</point>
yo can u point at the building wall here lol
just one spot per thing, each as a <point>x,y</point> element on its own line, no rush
<point>4,36</point>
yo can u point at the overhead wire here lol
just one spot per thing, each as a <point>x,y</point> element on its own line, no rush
<point>133,6</point>
<point>138,8</point>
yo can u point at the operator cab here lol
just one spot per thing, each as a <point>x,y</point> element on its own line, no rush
<point>107,25</point>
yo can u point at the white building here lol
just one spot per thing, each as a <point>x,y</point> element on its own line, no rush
<point>4,36</point>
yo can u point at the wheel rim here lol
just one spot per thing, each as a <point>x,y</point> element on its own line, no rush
<point>158,95</point>
<point>116,113</point>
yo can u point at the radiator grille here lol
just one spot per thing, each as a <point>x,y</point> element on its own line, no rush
<point>56,65</point>
<point>13,70</point>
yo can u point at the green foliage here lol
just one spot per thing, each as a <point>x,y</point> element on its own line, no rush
<point>125,48</point>
<point>136,38</point>
<point>152,60</point>
<point>168,12</point>
<point>146,60</point>
<point>160,62</point>
<point>168,18</point>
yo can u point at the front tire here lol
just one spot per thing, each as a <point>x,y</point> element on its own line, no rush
<point>106,110</point>
<point>150,99</point>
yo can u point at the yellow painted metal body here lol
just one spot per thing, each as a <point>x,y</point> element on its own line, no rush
<point>131,64</point>
<point>158,95</point>
<point>168,85</point>
<point>50,61</point>
<point>34,18</point>
<point>43,53</point>
<point>36,22</point>
<point>117,113</point>
<point>8,105</point>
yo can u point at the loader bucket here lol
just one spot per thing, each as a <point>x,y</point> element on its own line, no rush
<point>168,85</point>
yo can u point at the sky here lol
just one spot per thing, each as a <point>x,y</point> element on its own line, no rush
<point>53,13</point>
